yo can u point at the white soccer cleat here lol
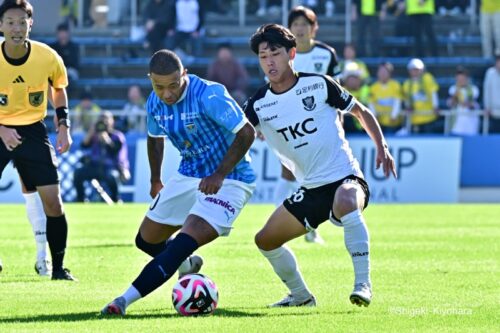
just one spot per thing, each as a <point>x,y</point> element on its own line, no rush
<point>314,237</point>
<point>1,267</point>
<point>290,300</point>
<point>195,263</point>
<point>43,267</point>
<point>117,307</point>
<point>361,295</point>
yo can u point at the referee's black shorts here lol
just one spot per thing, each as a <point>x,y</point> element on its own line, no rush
<point>35,158</point>
<point>314,206</point>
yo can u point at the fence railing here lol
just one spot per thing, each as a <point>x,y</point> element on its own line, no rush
<point>448,116</point>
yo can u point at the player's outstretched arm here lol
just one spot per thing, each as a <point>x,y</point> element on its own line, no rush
<point>371,126</point>
<point>155,157</point>
<point>241,144</point>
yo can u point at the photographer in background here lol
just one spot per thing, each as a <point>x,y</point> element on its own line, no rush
<point>107,161</point>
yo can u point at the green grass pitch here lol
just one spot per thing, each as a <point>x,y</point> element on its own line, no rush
<point>435,268</point>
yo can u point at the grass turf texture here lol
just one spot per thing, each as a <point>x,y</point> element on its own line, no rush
<point>434,269</point>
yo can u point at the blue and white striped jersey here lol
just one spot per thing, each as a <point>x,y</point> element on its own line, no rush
<point>201,125</point>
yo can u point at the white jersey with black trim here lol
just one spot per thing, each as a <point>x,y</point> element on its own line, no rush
<point>302,127</point>
<point>321,59</point>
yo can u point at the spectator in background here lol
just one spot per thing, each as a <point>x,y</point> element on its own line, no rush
<point>368,14</point>
<point>227,70</point>
<point>69,11</point>
<point>107,161</point>
<point>462,100</point>
<point>385,99</point>
<point>134,117</point>
<point>491,95</point>
<point>68,51</point>
<point>85,113</point>
<point>350,57</point>
<point>159,18</point>
<point>189,26</point>
<point>352,81</point>
<point>490,27</point>
<point>99,13</point>
<point>420,13</point>
<point>420,93</point>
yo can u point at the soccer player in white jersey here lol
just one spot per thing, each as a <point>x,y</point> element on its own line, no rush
<point>214,179</point>
<point>297,114</point>
<point>312,57</point>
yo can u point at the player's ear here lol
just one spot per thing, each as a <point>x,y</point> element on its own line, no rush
<point>30,24</point>
<point>292,52</point>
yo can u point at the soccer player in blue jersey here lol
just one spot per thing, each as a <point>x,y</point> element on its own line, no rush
<point>214,179</point>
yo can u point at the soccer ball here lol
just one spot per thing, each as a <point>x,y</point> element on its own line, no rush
<point>195,294</point>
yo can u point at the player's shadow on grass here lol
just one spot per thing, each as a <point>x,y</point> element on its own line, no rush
<point>97,246</point>
<point>161,313</point>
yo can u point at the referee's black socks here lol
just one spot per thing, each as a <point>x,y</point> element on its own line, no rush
<point>57,234</point>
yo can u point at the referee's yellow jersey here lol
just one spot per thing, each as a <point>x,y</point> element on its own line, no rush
<point>24,83</point>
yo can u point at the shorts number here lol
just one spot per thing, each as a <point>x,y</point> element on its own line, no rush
<point>298,196</point>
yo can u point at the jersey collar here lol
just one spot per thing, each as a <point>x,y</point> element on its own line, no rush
<point>16,61</point>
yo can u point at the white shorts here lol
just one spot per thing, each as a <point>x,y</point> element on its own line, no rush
<point>180,197</point>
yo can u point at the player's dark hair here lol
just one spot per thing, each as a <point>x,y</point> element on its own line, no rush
<point>274,35</point>
<point>164,62</point>
<point>388,66</point>
<point>16,4</point>
<point>305,12</point>
<point>461,70</point>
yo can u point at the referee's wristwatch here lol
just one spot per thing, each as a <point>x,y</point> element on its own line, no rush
<point>65,122</point>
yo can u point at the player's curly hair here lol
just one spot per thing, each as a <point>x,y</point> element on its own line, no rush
<point>274,35</point>
<point>165,62</point>
<point>16,4</point>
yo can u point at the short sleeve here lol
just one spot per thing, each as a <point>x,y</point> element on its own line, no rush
<point>58,76</point>
<point>250,111</point>
<point>222,108</point>
<point>154,129</point>
<point>338,97</point>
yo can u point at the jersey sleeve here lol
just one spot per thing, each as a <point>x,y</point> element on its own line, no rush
<point>250,111</point>
<point>223,109</point>
<point>58,76</point>
<point>338,97</point>
<point>154,130</point>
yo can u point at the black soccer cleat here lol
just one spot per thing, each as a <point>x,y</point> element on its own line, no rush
<point>63,274</point>
<point>1,267</point>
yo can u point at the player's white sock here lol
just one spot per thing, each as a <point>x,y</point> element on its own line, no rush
<point>285,266</point>
<point>38,220</point>
<point>131,295</point>
<point>284,189</point>
<point>357,242</point>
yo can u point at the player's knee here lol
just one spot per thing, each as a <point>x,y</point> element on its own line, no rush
<point>345,201</point>
<point>142,245</point>
<point>53,208</point>
<point>265,242</point>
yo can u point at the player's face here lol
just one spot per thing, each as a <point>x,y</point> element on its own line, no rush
<point>383,74</point>
<point>415,73</point>
<point>169,87</point>
<point>275,63</point>
<point>302,29</point>
<point>16,26</point>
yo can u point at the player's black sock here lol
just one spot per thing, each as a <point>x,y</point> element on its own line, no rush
<point>164,265</point>
<point>57,234</point>
<point>152,249</point>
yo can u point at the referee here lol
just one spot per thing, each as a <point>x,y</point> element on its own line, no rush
<point>27,68</point>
